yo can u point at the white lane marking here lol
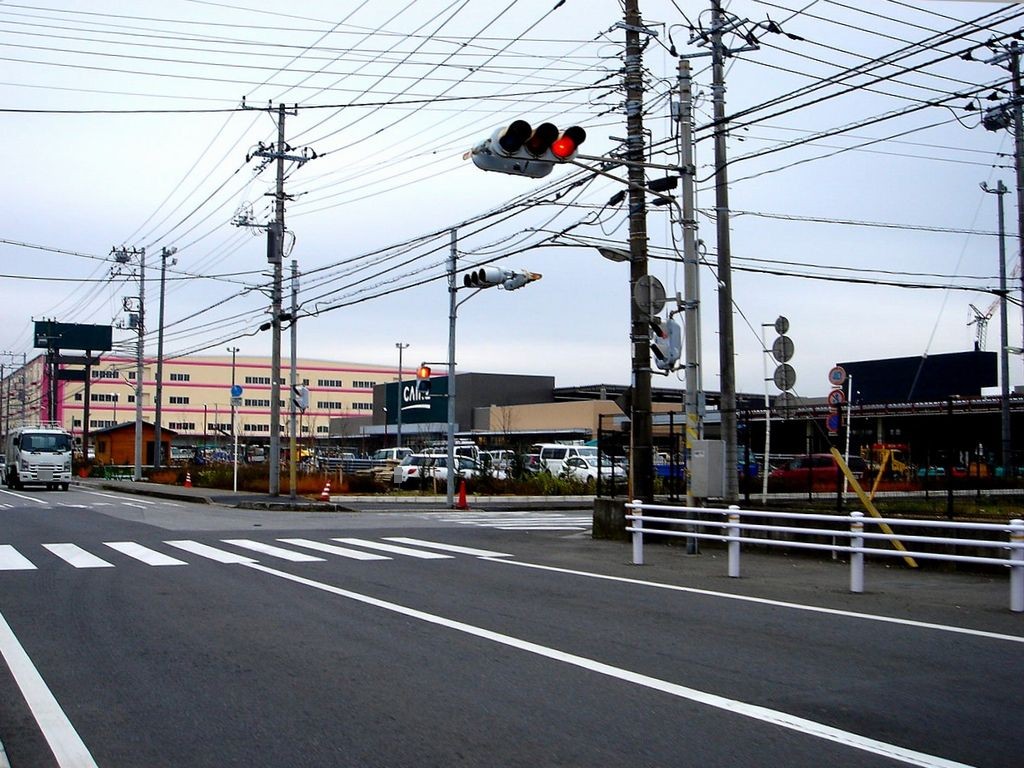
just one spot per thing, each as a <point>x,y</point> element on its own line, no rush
<point>332,549</point>
<point>447,547</point>
<point>210,553</point>
<point>12,560</point>
<point>763,714</point>
<point>145,554</point>
<point>537,527</point>
<point>65,743</point>
<point>272,551</point>
<point>130,504</point>
<point>119,498</point>
<point>774,603</point>
<point>23,496</point>
<point>76,556</point>
<point>394,549</point>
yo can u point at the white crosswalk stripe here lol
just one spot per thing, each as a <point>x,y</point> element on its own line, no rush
<point>143,554</point>
<point>76,556</point>
<point>272,551</point>
<point>211,553</point>
<point>333,549</point>
<point>447,547</point>
<point>394,549</point>
<point>11,559</point>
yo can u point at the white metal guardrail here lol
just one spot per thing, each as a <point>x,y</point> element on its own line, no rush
<point>729,525</point>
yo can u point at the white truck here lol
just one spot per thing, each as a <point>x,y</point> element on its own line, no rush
<point>39,454</point>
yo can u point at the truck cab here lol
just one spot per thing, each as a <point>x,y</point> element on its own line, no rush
<point>38,455</point>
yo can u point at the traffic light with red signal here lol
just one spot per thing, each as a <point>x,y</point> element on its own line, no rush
<point>521,150</point>
<point>423,380</point>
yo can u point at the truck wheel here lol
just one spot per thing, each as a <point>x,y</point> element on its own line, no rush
<point>65,486</point>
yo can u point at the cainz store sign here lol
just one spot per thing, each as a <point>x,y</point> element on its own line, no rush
<point>417,408</point>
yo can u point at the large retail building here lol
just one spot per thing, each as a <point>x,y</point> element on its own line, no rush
<point>196,395</point>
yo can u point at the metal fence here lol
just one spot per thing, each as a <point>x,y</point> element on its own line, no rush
<point>733,527</point>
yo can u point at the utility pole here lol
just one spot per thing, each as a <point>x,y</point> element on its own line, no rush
<point>1004,351</point>
<point>726,343</point>
<point>641,453</point>
<point>158,417</point>
<point>277,235</point>
<point>398,429</point>
<point>453,309</point>
<point>294,381</point>
<point>275,254</point>
<point>691,273</point>
<point>124,255</point>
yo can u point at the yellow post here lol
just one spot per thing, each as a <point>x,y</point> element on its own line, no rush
<point>869,505</point>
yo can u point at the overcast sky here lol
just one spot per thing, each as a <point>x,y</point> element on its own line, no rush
<point>850,193</point>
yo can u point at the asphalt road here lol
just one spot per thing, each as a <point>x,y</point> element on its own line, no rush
<point>128,641</point>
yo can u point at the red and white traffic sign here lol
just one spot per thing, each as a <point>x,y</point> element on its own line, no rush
<point>837,376</point>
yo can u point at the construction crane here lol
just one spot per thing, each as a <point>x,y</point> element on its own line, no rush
<point>981,320</point>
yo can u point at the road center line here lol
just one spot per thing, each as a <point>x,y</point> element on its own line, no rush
<point>767,601</point>
<point>65,743</point>
<point>763,714</point>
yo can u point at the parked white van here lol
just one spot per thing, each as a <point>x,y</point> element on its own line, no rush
<point>553,455</point>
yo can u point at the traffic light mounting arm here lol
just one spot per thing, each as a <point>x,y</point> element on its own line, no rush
<point>631,185</point>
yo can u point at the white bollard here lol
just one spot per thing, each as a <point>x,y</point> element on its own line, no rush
<point>734,543</point>
<point>1017,565</point>
<point>857,558</point>
<point>638,537</point>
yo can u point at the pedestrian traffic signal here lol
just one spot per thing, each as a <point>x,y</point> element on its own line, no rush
<point>423,379</point>
<point>666,343</point>
<point>488,277</point>
<point>300,397</point>
<point>521,150</point>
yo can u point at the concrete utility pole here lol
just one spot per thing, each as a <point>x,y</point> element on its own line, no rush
<point>726,343</point>
<point>275,255</point>
<point>1004,350</point>
<point>453,309</point>
<point>691,273</point>
<point>157,419</point>
<point>277,235</point>
<point>294,381</point>
<point>124,255</point>
<point>1018,163</point>
<point>641,449</point>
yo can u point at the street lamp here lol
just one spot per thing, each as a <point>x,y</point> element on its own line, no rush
<point>234,431</point>
<point>398,428</point>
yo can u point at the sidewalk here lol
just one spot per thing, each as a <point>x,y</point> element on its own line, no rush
<point>338,502</point>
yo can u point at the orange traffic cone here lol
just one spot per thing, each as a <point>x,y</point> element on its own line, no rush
<point>188,479</point>
<point>325,495</point>
<point>462,503</point>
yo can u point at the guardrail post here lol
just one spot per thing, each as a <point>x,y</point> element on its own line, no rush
<point>638,536</point>
<point>1017,565</point>
<point>734,542</point>
<point>856,558</point>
